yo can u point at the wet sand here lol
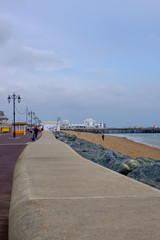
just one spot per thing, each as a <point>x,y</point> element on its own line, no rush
<point>122,145</point>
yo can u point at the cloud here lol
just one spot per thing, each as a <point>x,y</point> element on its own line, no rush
<point>28,58</point>
<point>5,29</point>
<point>99,71</point>
<point>62,95</point>
<point>113,103</point>
<point>155,37</point>
<point>17,55</point>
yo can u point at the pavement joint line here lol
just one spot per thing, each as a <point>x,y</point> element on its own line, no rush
<point>14,139</point>
<point>96,197</point>
<point>10,144</point>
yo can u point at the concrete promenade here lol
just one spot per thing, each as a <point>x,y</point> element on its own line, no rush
<point>58,195</point>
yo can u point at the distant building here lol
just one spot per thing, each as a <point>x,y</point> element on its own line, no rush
<point>100,125</point>
<point>65,124</point>
<point>51,126</point>
<point>3,118</point>
<point>88,123</point>
<point>20,128</point>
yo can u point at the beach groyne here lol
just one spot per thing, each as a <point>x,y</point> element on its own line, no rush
<point>58,194</point>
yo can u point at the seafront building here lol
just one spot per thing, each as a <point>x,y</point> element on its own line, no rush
<point>3,118</point>
<point>87,123</point>
<point>5,127</point>
<point>51,125</point>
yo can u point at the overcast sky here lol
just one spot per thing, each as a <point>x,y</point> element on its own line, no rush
<point>79,59</point>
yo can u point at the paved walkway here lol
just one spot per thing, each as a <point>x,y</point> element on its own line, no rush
<point>10,149</point>
<point>59,195</point>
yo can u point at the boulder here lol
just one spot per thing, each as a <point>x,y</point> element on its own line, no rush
<point>113,158</point>
<point>143,161</point>
<point>65,137</point>
<point>149,174</point>
<point>128,165</point>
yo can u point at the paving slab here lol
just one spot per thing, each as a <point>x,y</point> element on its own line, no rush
<point>57,194</point>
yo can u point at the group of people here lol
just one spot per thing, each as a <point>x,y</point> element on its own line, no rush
<point>35,131</point>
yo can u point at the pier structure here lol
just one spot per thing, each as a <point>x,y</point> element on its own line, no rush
<point>57,194</point>
<point>115,130</point>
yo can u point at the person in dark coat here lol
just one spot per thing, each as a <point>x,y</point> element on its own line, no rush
<point>103,137</point>
<point>36,132</point>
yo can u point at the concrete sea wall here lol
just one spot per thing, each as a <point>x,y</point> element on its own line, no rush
<point>57,194</point>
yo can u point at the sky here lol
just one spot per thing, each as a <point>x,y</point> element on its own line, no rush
<point>79,59</point>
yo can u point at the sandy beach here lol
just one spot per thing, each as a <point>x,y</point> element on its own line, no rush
<point>122,145</point>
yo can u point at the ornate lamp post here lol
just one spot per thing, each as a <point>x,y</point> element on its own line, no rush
<point>36,120</point>
<point>14,97</point>
<point>31,114</point>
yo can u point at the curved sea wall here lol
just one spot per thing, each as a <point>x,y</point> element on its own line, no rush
<point>145,170</point>
<point>58,194</point>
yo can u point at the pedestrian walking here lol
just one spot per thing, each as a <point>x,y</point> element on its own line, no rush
<point>36,132</point>
<point>103,137</point>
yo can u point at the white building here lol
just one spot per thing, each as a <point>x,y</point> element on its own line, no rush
<point>88,123</point>
<point>77,125</point>
<point>100,125</point>
<point>65,124</point>
<point>3,118</point>
<point>51,125</point>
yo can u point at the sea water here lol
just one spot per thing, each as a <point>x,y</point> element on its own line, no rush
<point>150,139</point>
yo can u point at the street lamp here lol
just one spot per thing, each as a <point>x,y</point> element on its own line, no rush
<point>36,120</point>
<point>30,114</point>
<point>14,97</point>
<point>39,121</point>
